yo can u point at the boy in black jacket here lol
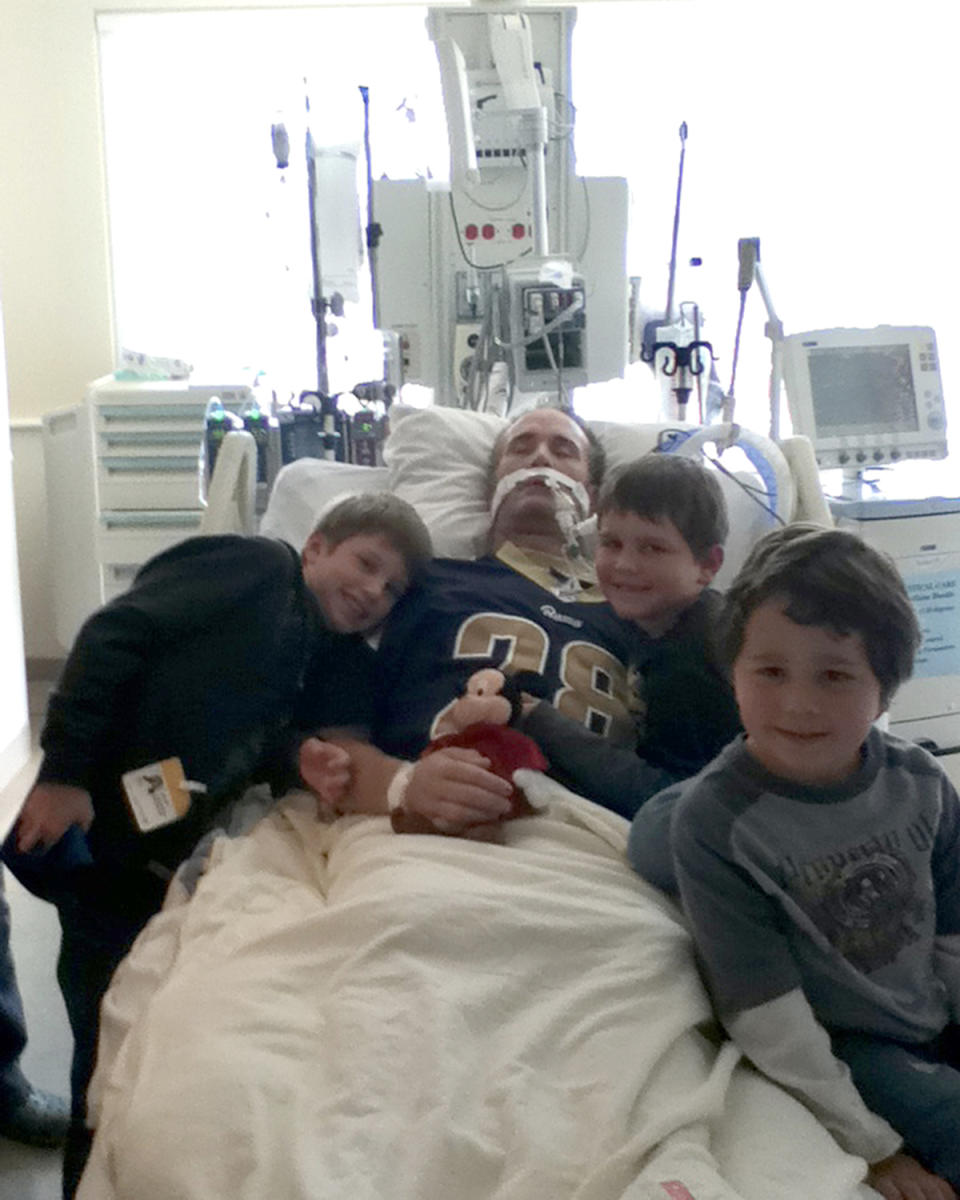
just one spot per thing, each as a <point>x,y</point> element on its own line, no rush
<point>225,653</point>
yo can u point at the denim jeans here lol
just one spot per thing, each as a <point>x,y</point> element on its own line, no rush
<point>98,927</point>
<point>13,1030</point>
<point>916,1088</point>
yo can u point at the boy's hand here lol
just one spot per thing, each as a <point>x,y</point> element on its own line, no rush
<point>453,789</point>
<point>326,769</point>
<point>901,1177</point>
<point>48,812</point>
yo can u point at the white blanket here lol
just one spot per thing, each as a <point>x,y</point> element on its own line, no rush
<point>341,1013</point>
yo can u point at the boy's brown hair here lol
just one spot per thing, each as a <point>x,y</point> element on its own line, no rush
<point>830,578</point>
<point>672,487</point>
<point>384,513</point>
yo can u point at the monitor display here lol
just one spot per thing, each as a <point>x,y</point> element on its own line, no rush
<point>866,396</point>
<point>858,389</point>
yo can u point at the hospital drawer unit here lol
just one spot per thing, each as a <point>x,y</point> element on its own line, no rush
<point>147,456</point>
<point>126,540</point>
<point>122,485</point>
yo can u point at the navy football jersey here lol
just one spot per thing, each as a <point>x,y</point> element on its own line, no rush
<point>516,609</point>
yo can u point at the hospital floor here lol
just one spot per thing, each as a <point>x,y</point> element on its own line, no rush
<point>27,1173</point>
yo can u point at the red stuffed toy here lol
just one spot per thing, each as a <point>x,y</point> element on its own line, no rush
<point>478,721</point>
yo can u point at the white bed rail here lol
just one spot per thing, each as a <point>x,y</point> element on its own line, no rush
<point>232,492</point>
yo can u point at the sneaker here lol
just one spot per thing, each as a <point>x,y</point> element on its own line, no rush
<point>41,1119</point>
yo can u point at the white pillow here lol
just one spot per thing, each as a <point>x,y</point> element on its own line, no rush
<point>304,488</point>
<point>437,458</point>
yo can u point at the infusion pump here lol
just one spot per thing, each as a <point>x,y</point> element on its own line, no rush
<point>866,397</point>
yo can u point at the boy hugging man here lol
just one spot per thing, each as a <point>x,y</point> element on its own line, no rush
<point>661,523</point>
<point>224,654</point>
<point>818,861</point>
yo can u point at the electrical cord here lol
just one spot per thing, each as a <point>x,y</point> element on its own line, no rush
<point>754,493</point>
<point>556,367</point>
<point>481,364</point>
<point>666,436</point>
<point>561,319</point>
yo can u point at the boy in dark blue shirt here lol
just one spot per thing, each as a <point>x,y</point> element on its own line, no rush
<point>661,523</point>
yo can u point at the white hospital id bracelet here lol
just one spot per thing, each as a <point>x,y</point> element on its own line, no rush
<point>397,787</point>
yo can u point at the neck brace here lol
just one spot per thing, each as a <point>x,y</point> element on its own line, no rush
<point>570,501</point>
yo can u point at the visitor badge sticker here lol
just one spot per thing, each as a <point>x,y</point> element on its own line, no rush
<point>158,794</point>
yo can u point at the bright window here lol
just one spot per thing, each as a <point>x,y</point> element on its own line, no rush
<point>826,130</point>
<point>210,239</point>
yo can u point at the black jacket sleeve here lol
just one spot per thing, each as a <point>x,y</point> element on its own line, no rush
<point>613,776</point>
<point>178,595</point>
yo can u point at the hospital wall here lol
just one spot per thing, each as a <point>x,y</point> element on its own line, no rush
<point>14,722</point>
<point>54,246</point>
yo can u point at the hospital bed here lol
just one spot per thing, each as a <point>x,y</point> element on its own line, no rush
<point>436,457</point>
<point>334,1012</point>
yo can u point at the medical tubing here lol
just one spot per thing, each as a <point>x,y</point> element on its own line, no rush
<point>572,308</point>
<point>554,366</point>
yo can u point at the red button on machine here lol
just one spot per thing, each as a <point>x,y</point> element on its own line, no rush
<point>470,233</point>
<point>519,231</point>
<point>488,232</point>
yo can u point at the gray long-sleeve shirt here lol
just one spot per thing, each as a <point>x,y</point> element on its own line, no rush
<point>843,891</point>
<point>834,907</point>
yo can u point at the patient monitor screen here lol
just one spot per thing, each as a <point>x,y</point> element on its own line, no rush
<point>862,389</point>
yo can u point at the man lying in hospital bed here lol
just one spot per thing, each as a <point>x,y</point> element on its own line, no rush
<point>341,1012</point>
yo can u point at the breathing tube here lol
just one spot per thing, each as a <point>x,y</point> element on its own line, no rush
<point>571,507</point>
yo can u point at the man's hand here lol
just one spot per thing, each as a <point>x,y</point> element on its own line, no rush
<point>327,771</point>
<point>453,789</point>
<point>901,1177</point>
<point>48,812</point>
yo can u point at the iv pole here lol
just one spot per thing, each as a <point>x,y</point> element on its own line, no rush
<point>318,304</point>
<point>676,339</point>
<point>668,316</point>
<point>748,253</point>
<point>373,231</point>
